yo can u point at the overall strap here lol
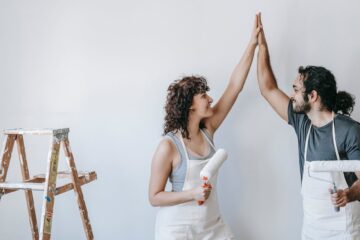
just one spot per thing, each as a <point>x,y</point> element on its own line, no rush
<point>208,139</point>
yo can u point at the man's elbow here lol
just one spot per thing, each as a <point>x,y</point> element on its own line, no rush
<point>263,93</point>
<point>267,86</point>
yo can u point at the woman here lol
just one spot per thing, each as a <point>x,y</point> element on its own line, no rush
<point>190,124</point>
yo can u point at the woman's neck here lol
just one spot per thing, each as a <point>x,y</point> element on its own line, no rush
<point>194,128</point>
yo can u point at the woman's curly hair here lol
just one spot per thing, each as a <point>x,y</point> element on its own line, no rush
<point>178,101</point>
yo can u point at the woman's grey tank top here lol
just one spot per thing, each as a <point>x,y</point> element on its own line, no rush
<point>177,176</point>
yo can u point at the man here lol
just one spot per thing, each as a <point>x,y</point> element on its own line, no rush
<point>322,135</point>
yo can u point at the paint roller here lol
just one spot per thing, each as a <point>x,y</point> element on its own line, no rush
<point>212,167</point>
<point>334,166</point>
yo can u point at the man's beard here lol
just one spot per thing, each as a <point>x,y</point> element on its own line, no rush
<point>302,108</point>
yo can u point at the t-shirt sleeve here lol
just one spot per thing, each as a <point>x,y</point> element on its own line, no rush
<point>352,148</point>
<point>353,143</point>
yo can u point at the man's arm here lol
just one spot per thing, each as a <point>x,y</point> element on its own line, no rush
<point>267,83</point>
<point>352,144</point>
<point>344,196</point>
<point>354,190</point>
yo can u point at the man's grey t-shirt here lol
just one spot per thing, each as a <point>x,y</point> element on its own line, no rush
<point>321,146</point>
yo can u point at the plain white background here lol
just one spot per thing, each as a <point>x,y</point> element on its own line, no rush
<point>101,68</point>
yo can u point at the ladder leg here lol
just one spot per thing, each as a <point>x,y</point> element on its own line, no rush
<point>49,191</point>
<point>28,193</point>
<point>6,155</point>
<point>77,190</point>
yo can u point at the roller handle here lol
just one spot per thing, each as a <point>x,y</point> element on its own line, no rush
<point>205,185</point>
<point>337,209</point>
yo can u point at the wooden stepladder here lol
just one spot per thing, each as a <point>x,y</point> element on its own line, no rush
<point>45,182</point>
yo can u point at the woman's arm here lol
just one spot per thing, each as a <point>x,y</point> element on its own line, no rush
<point>160,171</point>
<point>236,83</point>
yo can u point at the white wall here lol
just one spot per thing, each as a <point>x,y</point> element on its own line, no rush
<point>102,69</point>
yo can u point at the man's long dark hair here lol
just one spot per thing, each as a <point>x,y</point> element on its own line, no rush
<point>323,82</point>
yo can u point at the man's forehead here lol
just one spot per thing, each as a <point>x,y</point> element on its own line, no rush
<point>299,81</point>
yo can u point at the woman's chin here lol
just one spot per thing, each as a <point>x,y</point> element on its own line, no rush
<point>210,113</point>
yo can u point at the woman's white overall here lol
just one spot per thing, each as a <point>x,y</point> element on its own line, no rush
<point>189,220</point>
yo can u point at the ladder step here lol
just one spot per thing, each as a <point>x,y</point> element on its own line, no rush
<point>22,185</point>
<point>67,174</point>
<point>37,183</point>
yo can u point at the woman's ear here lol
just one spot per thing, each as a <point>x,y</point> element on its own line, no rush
<point>191,108</point>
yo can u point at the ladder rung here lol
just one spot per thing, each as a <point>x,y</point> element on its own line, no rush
<point>66,174</point>
<point>82,180</point>
<point>37,183</point>
<point>22,185</point>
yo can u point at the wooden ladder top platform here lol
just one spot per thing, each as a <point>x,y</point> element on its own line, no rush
<point>44,131</point>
